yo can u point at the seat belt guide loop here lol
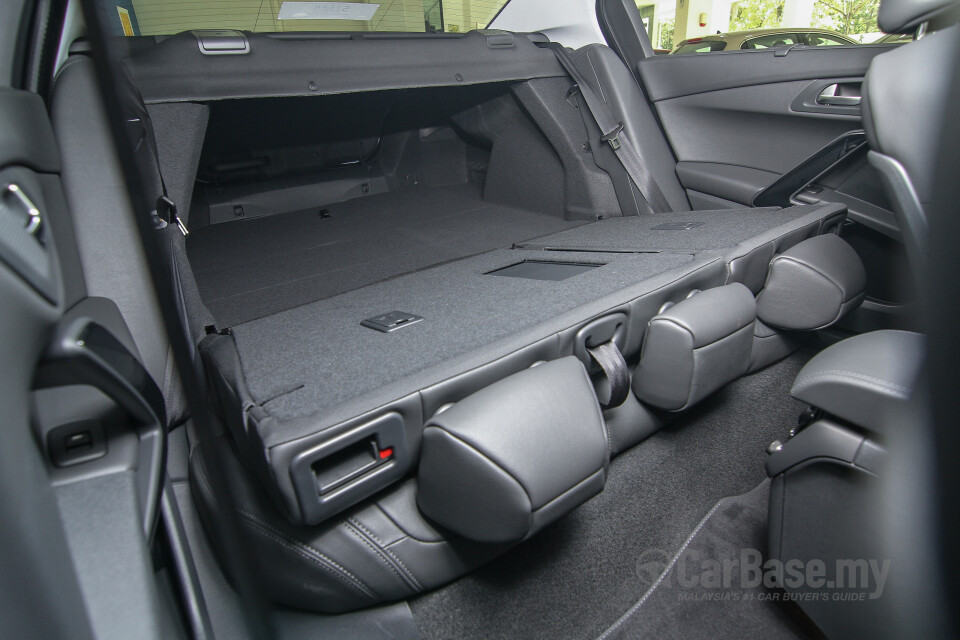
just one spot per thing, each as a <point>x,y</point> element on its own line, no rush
<point>613,137</point>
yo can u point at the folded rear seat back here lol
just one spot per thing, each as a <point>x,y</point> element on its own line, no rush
<point>332,418</point>
<point>292,381</point>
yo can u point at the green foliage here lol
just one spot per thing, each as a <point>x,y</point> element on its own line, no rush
<point>756,14</point>
<point>847,16</point>
<point>666,34</point>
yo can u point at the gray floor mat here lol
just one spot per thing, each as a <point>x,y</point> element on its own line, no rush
<point>577,577</point>
<point>252,268</point>
<point>684,601</point>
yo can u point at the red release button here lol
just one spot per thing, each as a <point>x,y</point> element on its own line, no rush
<point>386,453</point>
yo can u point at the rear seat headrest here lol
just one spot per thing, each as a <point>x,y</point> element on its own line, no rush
<point>501,464</point>
<point>812,285</point>
<point>696,346</point>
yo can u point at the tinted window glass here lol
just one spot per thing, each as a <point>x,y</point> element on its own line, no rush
<point>772,41</point>
<point>702,47</point>
<point>824,40</point>
<point>833,22</point>
<point>166,17</point>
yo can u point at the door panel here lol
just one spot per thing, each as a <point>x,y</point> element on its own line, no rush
<point>739,121</point>
<point>80,467</point>
<point>754,109</point>
<point>751,126</point>
<point>682,75</point>
<point>38,585</point>
<point>722,180</point>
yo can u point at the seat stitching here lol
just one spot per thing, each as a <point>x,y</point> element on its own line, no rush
<point>378,552</point>
<point>310,554</point>
<point>298,547</point>
<point>386,549</point>
<point>869,380</point>
<point>408,534</point>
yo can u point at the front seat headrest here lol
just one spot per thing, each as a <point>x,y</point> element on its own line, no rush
<point>904,16</point>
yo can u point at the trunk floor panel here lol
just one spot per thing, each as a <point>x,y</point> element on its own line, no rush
<point>581,574</point>
<point>317,358</point>
<point>707,230</point>
<point>249,269</point>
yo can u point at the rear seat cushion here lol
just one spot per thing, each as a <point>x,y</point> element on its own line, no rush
<point>378,551</point>
<point>303,374</point>
<point>298,378</point>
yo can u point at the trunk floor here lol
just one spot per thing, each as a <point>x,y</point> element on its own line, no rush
<point>253,268</point>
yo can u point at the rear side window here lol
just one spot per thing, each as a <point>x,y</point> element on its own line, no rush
<point>701,47</point>
<point>760,24</point>
<point>824,40</point>
<point>772,41</point>
<point>167,17</point>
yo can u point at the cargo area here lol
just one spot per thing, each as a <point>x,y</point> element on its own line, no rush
<point>321,196</point>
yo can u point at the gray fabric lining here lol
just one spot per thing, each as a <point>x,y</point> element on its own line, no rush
<point>179,132</point>
<point>321,350</point>
<point>719,229</point>
<point>179,129</point>
<point>253,268</point>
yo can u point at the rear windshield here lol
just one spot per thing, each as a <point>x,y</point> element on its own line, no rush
<point>705,46</point>
<point>167,17</point>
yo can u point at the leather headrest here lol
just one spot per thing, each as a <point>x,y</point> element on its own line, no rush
<point>904,16</point>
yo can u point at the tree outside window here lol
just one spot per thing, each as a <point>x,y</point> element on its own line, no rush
<point>849,17</point>
<point>665,40</point>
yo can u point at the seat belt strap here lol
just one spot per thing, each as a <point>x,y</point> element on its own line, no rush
<point>165,209</point>
<point>614,135</point>
<point>614,367</point>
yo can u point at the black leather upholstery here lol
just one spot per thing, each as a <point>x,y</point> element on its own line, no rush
<point>825,490</point>
<point>906,97</point>
<point>812,285</point>
<point>695,347</point>
<point>378,551</point>
<point>904,16</point>
<point>506,461</point>
<point>860,379</point>
<point>825,493</point>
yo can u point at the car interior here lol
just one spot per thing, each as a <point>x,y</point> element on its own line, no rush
<point>473,335</point>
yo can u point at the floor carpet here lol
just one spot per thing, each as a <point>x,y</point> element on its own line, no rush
<point>579,576</point>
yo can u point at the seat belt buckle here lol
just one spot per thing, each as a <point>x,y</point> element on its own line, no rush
<point>167,211</point>
<point>613,137</point>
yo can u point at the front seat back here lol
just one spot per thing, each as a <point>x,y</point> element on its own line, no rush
<point>904,103</point>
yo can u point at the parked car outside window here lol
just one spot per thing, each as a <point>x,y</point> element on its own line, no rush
<point>762,39</point>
